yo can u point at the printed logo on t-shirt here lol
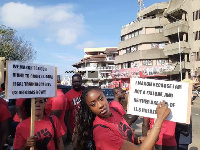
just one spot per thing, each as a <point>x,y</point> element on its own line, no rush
<point>44,137</point>
<point>126,131</point>
<point>76,100</point>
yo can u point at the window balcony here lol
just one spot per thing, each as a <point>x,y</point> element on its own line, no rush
<point>173,48</point>
<point>172,28</point>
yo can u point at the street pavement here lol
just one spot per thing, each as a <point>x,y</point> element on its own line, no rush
<point>137,126</point>
<point>195,125</point>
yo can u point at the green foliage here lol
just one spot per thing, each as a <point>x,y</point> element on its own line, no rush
<point>13,47</point>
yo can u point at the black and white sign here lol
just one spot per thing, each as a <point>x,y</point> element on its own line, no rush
<point>145,94</point>
<point>29,80</point>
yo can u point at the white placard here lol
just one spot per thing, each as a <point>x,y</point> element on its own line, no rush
<point>29,80</point>
<point>145,94</point>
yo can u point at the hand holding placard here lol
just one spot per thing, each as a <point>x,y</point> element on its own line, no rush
<point>162,111</point>
<point>145,95</point>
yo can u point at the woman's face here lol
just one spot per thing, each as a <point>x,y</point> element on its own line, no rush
<point>39,106</point>
<point>98,103</point>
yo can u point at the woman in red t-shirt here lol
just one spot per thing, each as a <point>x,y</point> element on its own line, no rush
<point>48,130</point>
<point>107,126</point>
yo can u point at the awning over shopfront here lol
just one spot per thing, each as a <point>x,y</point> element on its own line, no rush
<point>142,72</point>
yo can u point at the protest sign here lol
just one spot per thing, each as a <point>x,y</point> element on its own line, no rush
<point>145,94</point>
<point>28,80</point>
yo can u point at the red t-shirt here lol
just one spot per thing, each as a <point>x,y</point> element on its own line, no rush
<point>4,113</point>
<point>2,101</point>
<point>57,103</point>
<point>19,102</point>
<point>43,130</point>
<point>73,105</point>
<point>167,133</point>
<point>114,132</point>
<point>118,106</point>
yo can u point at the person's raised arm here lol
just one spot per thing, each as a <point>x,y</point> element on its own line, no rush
<point>148,144</point>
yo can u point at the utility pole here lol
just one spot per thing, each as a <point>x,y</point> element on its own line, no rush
<point>140,2</point>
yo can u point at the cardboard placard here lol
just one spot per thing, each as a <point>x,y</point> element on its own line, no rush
<point>29,80</point>
<point>145,94</point>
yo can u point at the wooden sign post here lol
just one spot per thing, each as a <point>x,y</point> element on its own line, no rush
<point>145,94</point>
<point>28,80</point>
<point>32,131</point>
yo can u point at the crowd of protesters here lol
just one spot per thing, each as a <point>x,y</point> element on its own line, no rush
<point>84,118</point>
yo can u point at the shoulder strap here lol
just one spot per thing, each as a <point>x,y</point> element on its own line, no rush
<point>103,126</point>
<point>116,110</point>
<point>54,128</point>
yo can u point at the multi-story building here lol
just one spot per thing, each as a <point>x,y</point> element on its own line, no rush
<point>141,47</point>
<point>97,65</point>
<point>183,32</point>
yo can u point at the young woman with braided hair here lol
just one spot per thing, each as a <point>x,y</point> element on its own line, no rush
<point>107,126</point>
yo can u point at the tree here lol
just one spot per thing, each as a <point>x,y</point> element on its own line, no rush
<point>13,47</point>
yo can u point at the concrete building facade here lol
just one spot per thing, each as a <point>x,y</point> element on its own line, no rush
<point>183,32</point>
<point>97,65</point>
<point>164,42</point>
<point>141,47</point>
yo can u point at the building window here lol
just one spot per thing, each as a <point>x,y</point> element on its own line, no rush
<point>199,14</point>
<point>129,35</point>
<point>147,62</point>
<point>158,29</point>
<point>133,34</point>
<point>125,65</point>
<point>162,45</point>
<point>123,38</point>
<point>135,64</point>
<point>140,32</point>
<point>128,50</point>
<point>197,35</point>
<point>154,45</point>
<point>161,62</point>
<point>193,16</point>
<point>196,15</point>
<point>136,33</point>
<point>134,48</point>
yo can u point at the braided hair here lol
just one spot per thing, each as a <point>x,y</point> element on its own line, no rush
<point>84,123</point>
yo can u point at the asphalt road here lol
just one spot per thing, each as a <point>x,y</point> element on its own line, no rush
<point>195,125</point>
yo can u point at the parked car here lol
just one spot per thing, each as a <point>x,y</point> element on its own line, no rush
<point>108,92</point>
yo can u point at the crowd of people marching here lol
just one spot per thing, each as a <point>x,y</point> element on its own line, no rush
<point>83,118</point>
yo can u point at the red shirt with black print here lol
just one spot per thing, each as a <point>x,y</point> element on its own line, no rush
<point>73,105</point>
<point>57,103</point>
<point>43,130</point>
<point>110,133</point>
<point>118,106</point>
